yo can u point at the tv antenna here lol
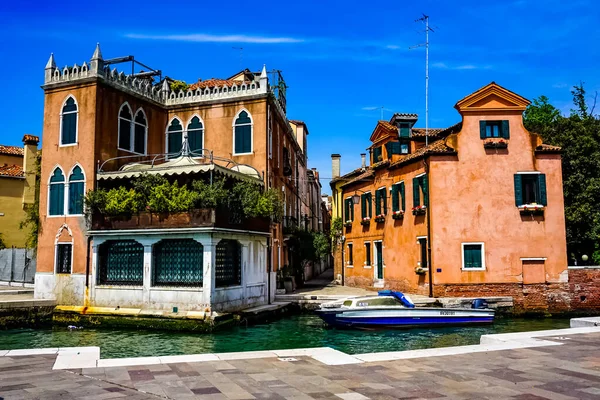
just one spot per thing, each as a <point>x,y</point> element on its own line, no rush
<point>425,20</point>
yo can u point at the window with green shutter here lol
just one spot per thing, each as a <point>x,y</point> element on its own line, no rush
<point>380,201</point>
<point>416,192</point>
<point>420,186</point>
<point>68,120</point>
<point>402,196</point>
<point>350,254</point>
<point>395,193</point>
<point>404,130</point>
<point>195,133</point>
<point>125,120</point>
<point>367,253</point>
<point>363,205</point>
<point>368,201</point>
<point>121,262</point>
<point>349,209</point>
<point>530,188</point>
<point>494,129</point>
<point>140,130</point>
<point>376,155</point>
<point>56,201</point>
<point>473,256</point>
<point>243,134</point>
<point>174,138</point>
<point>76,192</point>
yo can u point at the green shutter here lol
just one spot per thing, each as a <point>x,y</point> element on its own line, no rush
<point>76,198</point>
<point>124,134</point>
<point>377,202</point>
<point>542,188</point>
<point>69,127</point>
<point>369,198</point>
<point>403,196</point>
<point>376,154</point>
<point>363,205</point>
<point>505,130</point>
<point>384,195</point>
<point>482,125</point>
<point>351,203</point>
<point>424,187</point>
<point>388,148</point>
<point>174,142</point>
<point>404,130</point>
<point>57,199</point>
<point>395,199</point>
<point>518,190</point>
<point>416,194</point>
<point>247,138</point>
<point>195,140</point>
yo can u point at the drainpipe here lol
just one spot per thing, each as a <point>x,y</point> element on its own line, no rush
<point>429,264</point>
<point>87,262</point>
<point>269,266</point>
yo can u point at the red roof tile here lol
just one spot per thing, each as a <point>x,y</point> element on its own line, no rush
<point>546,148</point>
<point>11,150</point>
<point>11,171</point>
<point>368,175</point>
<point>213,82</point>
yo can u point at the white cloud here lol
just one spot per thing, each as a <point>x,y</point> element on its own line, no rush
<point>392,47</point>
<point>202,37</point>
<point>560,85</point>
<point>370,108</point>
<point>467,66</point>
<point>439,65</point>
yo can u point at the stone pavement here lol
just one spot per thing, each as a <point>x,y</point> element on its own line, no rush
<point>567,368</point>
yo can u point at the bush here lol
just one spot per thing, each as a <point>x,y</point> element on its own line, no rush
<point>176,86</point>
<point>253,203</point>
<point>170,197</point>
<point>321,244</point>
<point>211,196</point>
<point>121,201</point>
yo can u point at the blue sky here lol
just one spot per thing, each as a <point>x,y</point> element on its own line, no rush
<point>342,61</point>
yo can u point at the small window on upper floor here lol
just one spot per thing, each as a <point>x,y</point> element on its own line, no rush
<point>56,195</point>
<point>377,155</point>
<point>76,191</point>
<point>174,138</point>
<point>68,122</point>
<point>380,201</point>
<point>530,189</point>
<point>420,187</point>
<point>494,129</point>
<point>133,132</point>
<point>195,135</point>
<point>140,133</point>
<point>398,197</point>
<point>242,134</point>
<point>125,119</point>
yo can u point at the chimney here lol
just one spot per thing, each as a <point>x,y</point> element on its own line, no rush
<point>335,166</point>
<point>363,159</point>
<point>30,150</point>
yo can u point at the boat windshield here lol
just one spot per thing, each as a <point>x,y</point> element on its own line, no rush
<point>378,301</point>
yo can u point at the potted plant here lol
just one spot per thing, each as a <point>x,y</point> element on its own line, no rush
<point>366,221</point>
<point>419,210</point>
<point>532,209</point>
<point>380,218</point>
<point>348,223</point>
<point>398,214</point>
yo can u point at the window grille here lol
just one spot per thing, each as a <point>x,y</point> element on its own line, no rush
<point>228,271</point>
<point>121,263</point>
<point>63,258</point>
<point>177,262</point>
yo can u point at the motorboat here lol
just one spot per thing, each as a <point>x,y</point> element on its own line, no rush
<point>391,309</point>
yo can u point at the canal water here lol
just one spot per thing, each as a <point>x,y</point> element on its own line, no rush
<point>298,331</point>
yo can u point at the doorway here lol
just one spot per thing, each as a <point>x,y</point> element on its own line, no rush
<point>378,260</point>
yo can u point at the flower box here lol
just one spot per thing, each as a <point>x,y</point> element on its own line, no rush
<point>532,209</point>
<point>419,210</point>
<point>380,218</point>
<point>398,214</point>
<point>495,144</point>
<point>348,223</point>
<point>366,221</point>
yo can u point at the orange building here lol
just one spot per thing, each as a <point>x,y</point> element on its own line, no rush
<point>477,211</point>
<point>97,119</point>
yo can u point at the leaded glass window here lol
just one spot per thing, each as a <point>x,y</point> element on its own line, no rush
<point>174,138</point>
<point>243,134</point>
<point>177,262</point>
<point>195,133</point>
<point>56,200</point>
<point>68,122</point>
<point>121,262</point>
<point>64,257</point>
<point>228,269</point>
<point>76,185</point>
<point>125,127</point>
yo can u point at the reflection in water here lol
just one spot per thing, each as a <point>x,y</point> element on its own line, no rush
<point>295,332</point>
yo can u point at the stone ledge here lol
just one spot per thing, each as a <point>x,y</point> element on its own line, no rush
<point>585,322</point>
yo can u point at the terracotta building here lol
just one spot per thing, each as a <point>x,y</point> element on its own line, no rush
<point>17,189</point>
<point>99,121</point>
<point>478,210</point>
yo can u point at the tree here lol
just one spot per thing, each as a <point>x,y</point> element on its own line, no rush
<point>579,137</point>
<point>32,211</point>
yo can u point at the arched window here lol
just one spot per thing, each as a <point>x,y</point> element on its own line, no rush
<point>195,134</point>
<point>56,198</point>
<point>121,262</point>
<point>76,190</point>
<point>68,122</point>
<point>140,130</point>
<point>174,137</point>
<point>125,127</point>
<point>177,262</point>
<point>242,134</point>
<point>228,269</point>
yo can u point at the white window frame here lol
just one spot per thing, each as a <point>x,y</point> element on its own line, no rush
<point>185,135</point>
<point>65,200</point>
<point>375,260</point>
<point>132,136</point>
<point>251,133</point>
<point>68,191</point>
<point>167,134</point>
<point>462,256</point>
<point>119,118</point>
<point>76,123</point>
<point>348,265</point>
<point>370,265</point>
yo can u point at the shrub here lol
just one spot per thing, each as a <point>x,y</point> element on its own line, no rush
<point>170,197</point>
<point>121,201</point>
<point>211,196</point>
<point>176,86</point>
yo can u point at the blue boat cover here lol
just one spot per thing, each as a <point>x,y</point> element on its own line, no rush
<point>399,295</point>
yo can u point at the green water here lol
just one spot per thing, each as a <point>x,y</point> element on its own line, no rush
<point>298,331</point>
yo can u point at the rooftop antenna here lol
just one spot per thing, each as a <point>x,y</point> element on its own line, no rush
<point>241,49</point>
<point>425,20</point>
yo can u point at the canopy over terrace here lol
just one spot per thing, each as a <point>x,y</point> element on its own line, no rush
<point>184,163</point>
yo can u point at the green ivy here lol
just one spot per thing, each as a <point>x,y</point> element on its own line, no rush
<point>32,211</point>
